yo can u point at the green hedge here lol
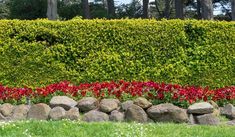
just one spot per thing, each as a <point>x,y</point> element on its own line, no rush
<point>191,52</point>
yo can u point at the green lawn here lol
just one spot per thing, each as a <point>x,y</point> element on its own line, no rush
<point>81,129</point>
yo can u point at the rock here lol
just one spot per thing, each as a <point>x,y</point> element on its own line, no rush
<point>116,116</point>
<point>57,113</point>
<point>125,105</point>
<point>136,113</point>
<point>228,111</point>
<point>142,102</point>
<point>2,118</point>
<point>87,104</point>
<point>72,114</point>
<point>108,105</point>
<point>192,119</point>
<point>39,112</point>
<point>167,113</point>
<point>200,108</point>
<point>231,123</point>
<point>216,111</point>
<point>95,116</point>
<point>20,112</point>
<point>63,101</point>
<point>6,109</point>
<point>207,119</point>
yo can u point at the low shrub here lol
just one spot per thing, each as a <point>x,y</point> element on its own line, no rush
<point>40,52</point>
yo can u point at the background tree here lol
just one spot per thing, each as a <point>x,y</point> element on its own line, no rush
<point>4,9</point>
<point>28,9</point>
<point>145,8</point>
<point>86,9</point>
<point>52,9</point>
<point>111,8</point>
<point>233,9</point>
<point>179,9</point>
<point>207,9</point>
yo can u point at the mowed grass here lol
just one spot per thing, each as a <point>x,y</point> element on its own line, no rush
<point>81,129</point>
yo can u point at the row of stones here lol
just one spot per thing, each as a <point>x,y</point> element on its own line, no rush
<point>139,110</point>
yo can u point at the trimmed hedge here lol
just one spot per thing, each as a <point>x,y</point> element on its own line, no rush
<point>191,52</point>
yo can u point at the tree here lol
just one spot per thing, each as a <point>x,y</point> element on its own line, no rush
<point>52,9</point>
<point>111,8</point>
<point>233,9</point>
<point>167,9</point>
<point>179,9</point>
<point>207,9</point>
<point>145,8</point>
<point>86,9</point>
<point>28,9</point>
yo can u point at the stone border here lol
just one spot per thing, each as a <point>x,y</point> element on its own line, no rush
<point>138,110</point>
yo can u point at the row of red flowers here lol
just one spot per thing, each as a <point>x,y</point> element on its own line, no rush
<point>121,89</point>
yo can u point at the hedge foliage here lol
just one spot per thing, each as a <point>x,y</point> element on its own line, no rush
<point>191,52</point>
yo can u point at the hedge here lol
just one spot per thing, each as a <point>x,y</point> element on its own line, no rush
<point>41,52</point>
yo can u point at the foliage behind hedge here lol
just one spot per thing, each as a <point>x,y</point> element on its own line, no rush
<point>185,52</point>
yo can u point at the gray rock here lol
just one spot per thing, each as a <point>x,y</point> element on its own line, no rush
<point>57,113</point>
<point>108,105</point>
<point>142,102</point>
<point>72,114</point>
<point>63,101</point>
<point>228,111</point>
<point>95,116</point>
<point>167,113</point>
<point>192,119</point>
<point>207,119</point>
<point>200,108</point>
<point>125,105</point>
<point>2,118</point>
<point>87,104</point>
<point>231,123</point>
<point>6,109</point>
<point>39,112</point>
<point>136,113</point>
<point>116,116</point>
<point>20,112</point>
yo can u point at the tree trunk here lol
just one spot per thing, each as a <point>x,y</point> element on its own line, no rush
<point>179,9</point>
<point>207,9</point>
<point>199,13</point>
<point>52,9</point>
<point>167,9</point>
<point>233,9</point>
<point>145,8</point>
<point>111,8</point>
<point>86,9</point>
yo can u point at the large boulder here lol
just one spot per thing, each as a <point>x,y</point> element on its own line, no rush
<point>167,113</point>
<point>72,114</point>
<point>116,116</point>
<point>136,113</point>
<point>20,112</point>
<point>200,108</point>
<point>108,105</point>
<point>228,111</point>
<point>39,112</point>
<point>87,104</point>
<point>207,119</point>
<point>6,109</point>
<point>142,102</point>
<point>95,116</point>
<point>62,101</point>
<point>57,113</point>
<point>125,105</point>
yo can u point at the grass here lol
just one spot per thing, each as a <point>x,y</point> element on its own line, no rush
<point>81,129</point>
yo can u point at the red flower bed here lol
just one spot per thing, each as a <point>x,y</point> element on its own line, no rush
<point>158,92</point>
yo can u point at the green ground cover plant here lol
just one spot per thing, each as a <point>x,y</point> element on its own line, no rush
<point>40,52</point>
<point>108,129</point>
